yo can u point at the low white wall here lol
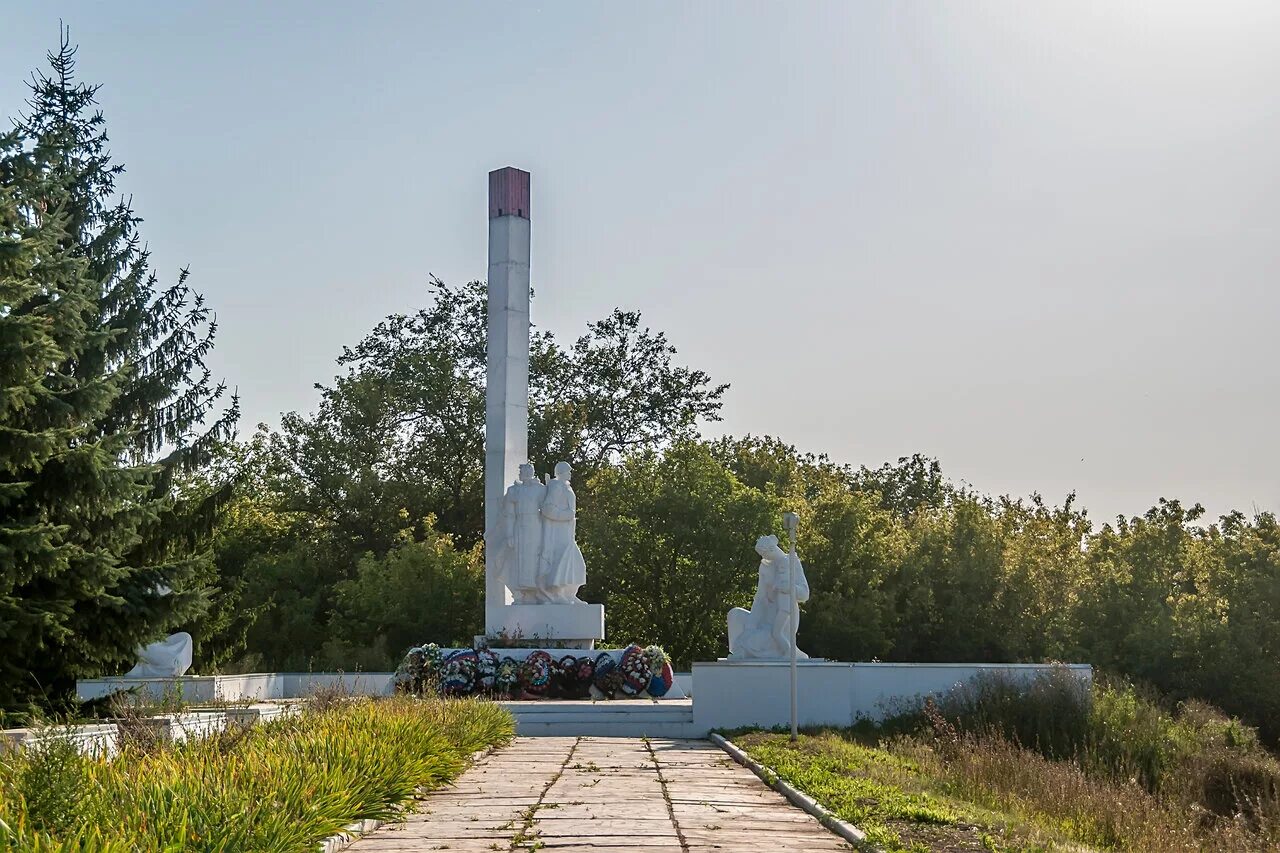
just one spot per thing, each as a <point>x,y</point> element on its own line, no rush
<point>299,685</point>
<point>758,693</point>
<point>880,690</point>
<point>96,739</point>
<point>733,694</point>
<point>104,739</point>
<point>255,686</point>
<point>184,688</point>
<point>262,712</point>
<point>184,725</point>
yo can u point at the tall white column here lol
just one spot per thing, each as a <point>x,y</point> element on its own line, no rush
<point>506,416</point>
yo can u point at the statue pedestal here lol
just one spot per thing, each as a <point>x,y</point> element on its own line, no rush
<point>575,626</point>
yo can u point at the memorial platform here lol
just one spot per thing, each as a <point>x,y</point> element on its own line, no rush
<point>718,695</point>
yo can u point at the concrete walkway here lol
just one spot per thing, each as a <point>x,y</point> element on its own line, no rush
<point>607,795</point>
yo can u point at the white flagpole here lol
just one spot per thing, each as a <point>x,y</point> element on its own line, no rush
<point>792,523</point>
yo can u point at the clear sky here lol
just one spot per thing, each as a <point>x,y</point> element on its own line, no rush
<point>1039,241</point>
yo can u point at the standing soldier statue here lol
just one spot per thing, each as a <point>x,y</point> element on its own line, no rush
<point>522,544</point>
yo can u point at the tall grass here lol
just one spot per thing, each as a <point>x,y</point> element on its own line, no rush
<point>1103,812</point>
<point>1045,764</point>
<point>1117,765</point>
<point>1117,730</point>
<point>282,786</point>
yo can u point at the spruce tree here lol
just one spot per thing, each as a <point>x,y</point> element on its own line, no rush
<point>104,410</point>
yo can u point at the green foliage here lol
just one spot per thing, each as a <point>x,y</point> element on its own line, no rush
<point>51,779</point>
<point>905,566</point>
<point>403,430</point>
<point>669,540</point>
<point>327,508</point>
<point>383,605</point>
<point>104,403</point>
<point>1053,713</point>
<point>282,786</point>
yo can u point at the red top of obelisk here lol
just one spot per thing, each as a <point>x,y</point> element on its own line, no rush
<point>508,193</point>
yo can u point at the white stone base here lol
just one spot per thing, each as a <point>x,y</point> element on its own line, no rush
<point>731,694</point>
<point>562,623</point>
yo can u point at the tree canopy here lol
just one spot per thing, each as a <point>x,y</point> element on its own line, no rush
<point>398,438</point>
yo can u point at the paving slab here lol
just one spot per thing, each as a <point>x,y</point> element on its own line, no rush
<point>604,795</point>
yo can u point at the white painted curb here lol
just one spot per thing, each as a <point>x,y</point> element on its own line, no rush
<point>349,836</point>
<point>845,830</point>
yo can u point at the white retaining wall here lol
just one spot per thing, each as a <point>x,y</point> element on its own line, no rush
<point>96,739</point>
<point>257,686</point>
<point>733,694</point>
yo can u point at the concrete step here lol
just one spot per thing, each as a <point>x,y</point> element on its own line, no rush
<point>619,718</point>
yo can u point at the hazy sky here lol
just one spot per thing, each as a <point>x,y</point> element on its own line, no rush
<point>1039,241</point>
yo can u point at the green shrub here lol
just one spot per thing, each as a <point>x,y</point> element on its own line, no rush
<point>1132,735</point>
<point>1229,784</point>
<point>1049,713</point>
<point>50,782</point>
<point>1116,768</point>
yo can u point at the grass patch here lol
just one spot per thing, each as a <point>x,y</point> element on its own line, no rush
<point>281,786</point>
<point>1044,766</point>
<point>887,794</point>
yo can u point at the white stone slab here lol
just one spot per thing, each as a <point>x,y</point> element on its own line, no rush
<point>300,685</point>
<point>607,718</point>
<point>183,725</point>
<point>731,694</point>
<point>565,622</point>
<point>182,688</point>
<point>259,712</point>
<point>97,739</point>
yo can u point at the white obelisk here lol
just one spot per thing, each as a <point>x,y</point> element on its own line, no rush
<point>506,399</point>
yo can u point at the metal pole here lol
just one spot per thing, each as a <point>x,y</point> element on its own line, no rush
<point>792,523</point>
